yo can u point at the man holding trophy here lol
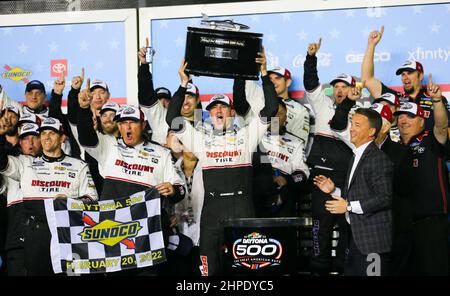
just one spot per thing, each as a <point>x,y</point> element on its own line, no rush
<point>225,154</point>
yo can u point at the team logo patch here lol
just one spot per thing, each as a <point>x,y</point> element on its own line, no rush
<point>109,232</point>
<point>256,251</point>
<point>16,74</point>
<point>128,111</point>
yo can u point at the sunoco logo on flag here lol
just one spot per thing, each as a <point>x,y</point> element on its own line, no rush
<point>105,236</point>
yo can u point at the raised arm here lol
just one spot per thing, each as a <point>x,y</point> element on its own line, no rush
<point>367,68</point>
<point>146,92</point>
<point>241,106</point>
<point>72,98</point>
<point>87,136</point>
<point>270,95</point>
<point>310,77</point>
<point>440,112</point>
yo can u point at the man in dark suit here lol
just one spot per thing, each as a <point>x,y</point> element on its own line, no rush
<point>365,199</point>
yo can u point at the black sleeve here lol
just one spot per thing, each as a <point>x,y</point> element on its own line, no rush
<point>310,78</point>
<point>86,132</point>
<point>270,99</point>
<point>174,110</point>
<point>179,194</point>
<point>241,106</point>
<point>385,89</point>
<point>54,109</point>
<point>3,155</point>
<point>340,119</point>
<point>73,105</point>
<point>146,93</point>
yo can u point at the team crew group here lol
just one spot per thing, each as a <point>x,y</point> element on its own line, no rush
<point>378,173</point>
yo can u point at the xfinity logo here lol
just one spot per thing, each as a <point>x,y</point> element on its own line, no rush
<point>429,54</point>
<point>352,58</point>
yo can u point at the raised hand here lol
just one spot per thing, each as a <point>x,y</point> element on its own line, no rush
<point>85,96</point>
<point>77,81</point>
<point>355,93</point>
<point>184,77</point>
<point>59,84</point>
<point>313,48</point>
<point>434,91</point>
<point>262,61</point>
<point>325,184</point>
<point>142,51</point>
<point>375,36</point>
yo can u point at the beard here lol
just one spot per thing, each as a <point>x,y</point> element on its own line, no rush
<point>410,90</point>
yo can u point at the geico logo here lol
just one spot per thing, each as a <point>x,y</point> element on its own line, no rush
<point>358,57</point>
<point>59,68</point>
<point>323,60</point>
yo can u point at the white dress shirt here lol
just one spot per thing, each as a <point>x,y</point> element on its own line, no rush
<point>356,206</point>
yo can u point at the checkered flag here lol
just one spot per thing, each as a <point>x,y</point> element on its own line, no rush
<point>106,236</point>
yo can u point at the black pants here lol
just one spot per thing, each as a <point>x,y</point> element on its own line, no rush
<point>430,246</point>
<point>37,248</point>
<point>322,230</point>
<point>179,265</point>
<point>15,262</point>
<point>358,264</point>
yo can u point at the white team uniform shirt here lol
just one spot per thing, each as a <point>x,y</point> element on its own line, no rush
<point>286,153</point>
<point>41,179</point>
<point>297,122</point>
<point>145,164</point>
<point>156,117</point>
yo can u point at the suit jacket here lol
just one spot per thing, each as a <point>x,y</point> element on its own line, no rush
<point>371,185</point>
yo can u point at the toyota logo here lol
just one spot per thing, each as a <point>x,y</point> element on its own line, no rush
<point>59,68</point>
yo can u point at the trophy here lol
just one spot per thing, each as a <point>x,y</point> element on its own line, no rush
<point>220,49</point>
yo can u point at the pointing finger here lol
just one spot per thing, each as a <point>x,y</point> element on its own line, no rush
<point>146,42</point>
<point>382,30</point>
<point>320,42</point>
<point>430,80</point>
<point>88,84</point>
<point>82,74</point>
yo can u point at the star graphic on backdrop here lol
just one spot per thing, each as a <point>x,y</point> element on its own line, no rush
<point>164,24</point>
<point>417,10</point>
<point>318,14</point>
<point>165,62</point>
<point>53,46</point>
<point>37,30</point>
<point>99,65</point>
<point>366,32</point>
<point>302,35</point>
<point>255,18</point>
<point>113,44</point>
<point>38,67</point>
<point>399,30</point>
<point>434,28</point>
<point>179,41</point>
<point>7,31</point>
<point>98,27</point>
<point>67,28</point>
<point>23,48</point>
<point>335,33</point>
<point>286,17</point>
<point>271,36</point>
<point>349,13</point>
<point>83,45</point>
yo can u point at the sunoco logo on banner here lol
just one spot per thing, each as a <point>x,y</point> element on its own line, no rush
<point>257,251</point>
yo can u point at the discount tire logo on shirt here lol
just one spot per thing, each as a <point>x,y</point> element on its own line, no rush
<point>257,251</point>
